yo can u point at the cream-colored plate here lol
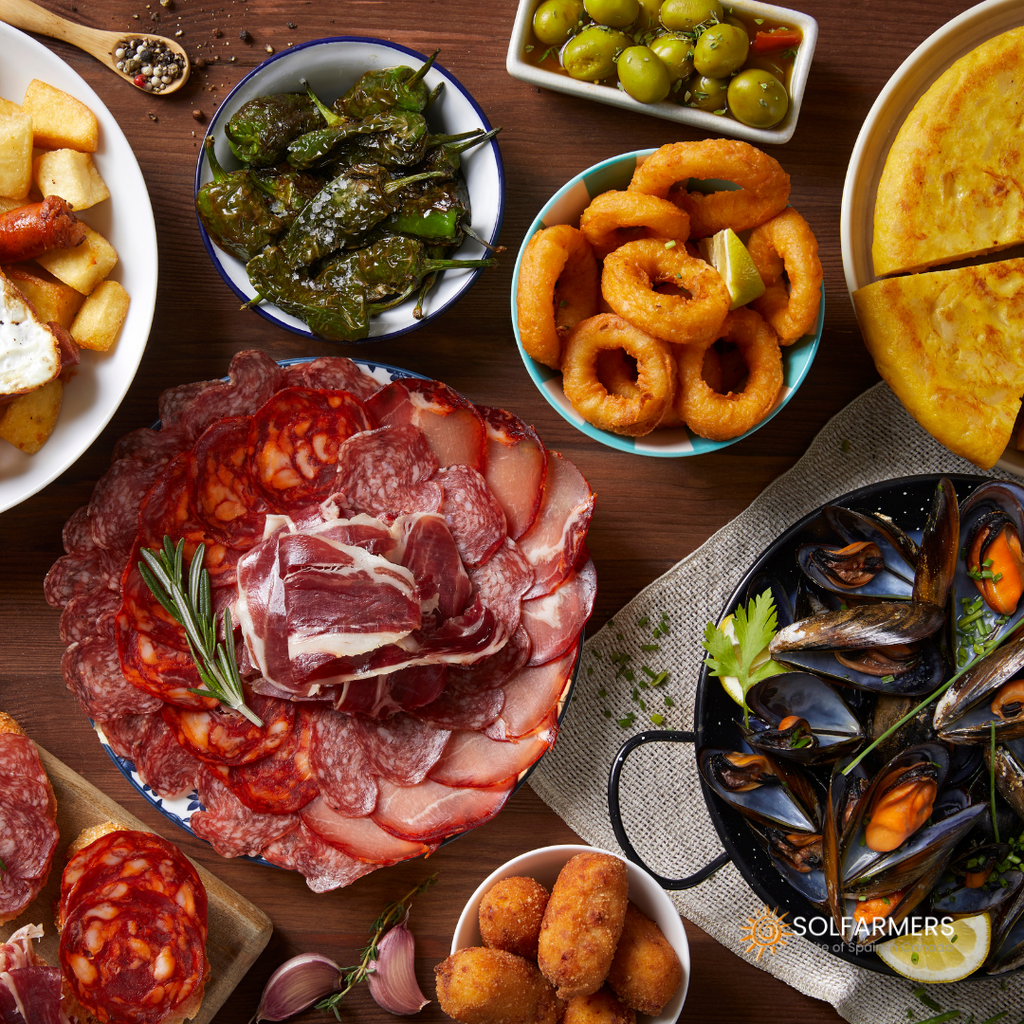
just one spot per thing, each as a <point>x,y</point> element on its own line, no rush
<point>911,80</point>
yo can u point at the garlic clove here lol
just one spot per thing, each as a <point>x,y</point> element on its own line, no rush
<point>393,979</point>
<point>296,984</point>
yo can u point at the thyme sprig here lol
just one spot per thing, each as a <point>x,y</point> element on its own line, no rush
<point>352,976</point>
<point>163,573</point>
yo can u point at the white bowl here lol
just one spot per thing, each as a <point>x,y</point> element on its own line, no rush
<point>102,379</point>
<point>565,207</point>
<point>543,866</point>
<point>331,67</point>
<point>518,67</point>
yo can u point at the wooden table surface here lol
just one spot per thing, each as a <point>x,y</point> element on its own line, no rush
<point>650,512</point>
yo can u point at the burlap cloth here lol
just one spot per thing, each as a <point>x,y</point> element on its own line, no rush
<point>663,810</point>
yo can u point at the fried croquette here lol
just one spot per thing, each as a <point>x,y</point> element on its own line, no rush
<point>601,1007</point>
<point>582,923</point>
<point>510,915</point>
<point>477,985</point>
<point>646,971</point>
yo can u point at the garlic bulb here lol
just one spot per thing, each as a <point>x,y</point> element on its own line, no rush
<point>392,979</point>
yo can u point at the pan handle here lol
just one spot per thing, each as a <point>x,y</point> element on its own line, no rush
<point>615,813</point>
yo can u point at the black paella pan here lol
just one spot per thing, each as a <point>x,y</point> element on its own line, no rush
<point>716,716</point>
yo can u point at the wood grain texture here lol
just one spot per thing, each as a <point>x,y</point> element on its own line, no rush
<point>239,931</point>
<point>650,512</point>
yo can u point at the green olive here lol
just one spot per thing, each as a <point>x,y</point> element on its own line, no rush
<point>676,52</point>
<point>615,13</point>
<point>686,15</point>
<point>590,56</point>
<point>707,93</point>
<point>758,98</point>
<point>650,14</point>
<point>720,50</point>
<point>554,20</point>
<point>643,74</point>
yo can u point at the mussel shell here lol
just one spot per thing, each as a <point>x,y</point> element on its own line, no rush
<point>927,673</point>
<point>879,624</point>
<point>1007,937</point>
<point>964,713</point>
<point>842,812</point>
<point>1009,772</point>
<point>789,803</point>
<point>815,560</point>
<point>988,498</point>
<point>889,712</point>
<point>936,561</point>
<point>836,729</point>
<point>784,613</point>
<point>810,884</point>
<point>951,898</point>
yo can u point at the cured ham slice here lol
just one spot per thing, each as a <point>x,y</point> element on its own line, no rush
<point>453,427</point>
<point>30,991</point>
<point>474,759</point>
<point>360,838</point>
<point>531,695</point>
<point>516,467</point>
<point>555,622</point>
<point>230,827</point>
<point>425,546</point>
<point>343,772</point>
<point>472,513</point>
<point>429,812</point>
<point>553,543</point>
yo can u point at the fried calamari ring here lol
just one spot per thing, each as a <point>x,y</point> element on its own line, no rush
<point>720,417</point>
<point>559,284</point>
<point>634,270</point>
<point>632,414</point>
<point>763,191</point>
<point>613,218</point>
<point>787,241</point>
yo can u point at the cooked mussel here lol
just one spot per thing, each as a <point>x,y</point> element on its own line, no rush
<point>798,857</point>
<point>1008,766</point>
<point>762,789</point>
<point>936,561</point>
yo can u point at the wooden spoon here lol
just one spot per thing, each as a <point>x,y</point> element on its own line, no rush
<point>31,17</point>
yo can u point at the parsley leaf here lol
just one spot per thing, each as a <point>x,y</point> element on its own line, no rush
<point>754,626</point>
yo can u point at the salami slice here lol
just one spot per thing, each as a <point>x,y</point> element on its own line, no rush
<point>89,614</point>
<point>457,708</point>
<point>386,473</point>
<point>472,513</point>
<point>162,763</point>
<point>174,403</point>
<point>494,671</point>
<point>279,783</point>
<point>28,839</point>
<point>230,827</point>
<point>149,447</point>
<point>429,812</point>
<point>19,759</point>
<point>124,862</point>
<point>222,736</point>
<point>221,487</point>
<point>401,748</point>
<point>474,759</point>
<point>501,583</point>
<point>294,440</point>
<point>361,837</point>
<point>136,959</point>
<point>346,778</point>
<point>332,373</point>
<point>125,732</point>
<point>71,576</point>
<point>553,543</point>
<point>116,499</point>
<point>77,535</point>
<point>92,672</point>
<point>285,851</point>
<point>453,427</point>
<point>516,467</point>
<point>325,867</point>
<point>554,622</point>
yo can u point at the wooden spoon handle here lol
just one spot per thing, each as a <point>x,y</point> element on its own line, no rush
<point>31,17</point>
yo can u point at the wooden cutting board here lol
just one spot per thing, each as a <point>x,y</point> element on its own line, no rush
<point>238,930</point>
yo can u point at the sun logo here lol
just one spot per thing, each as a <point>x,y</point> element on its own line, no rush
<point>766,931</point>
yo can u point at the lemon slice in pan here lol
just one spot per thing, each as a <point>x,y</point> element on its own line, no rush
<point>729,256</point>
<point>935,957</point>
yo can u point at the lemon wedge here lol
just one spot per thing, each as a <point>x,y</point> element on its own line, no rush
<point>729,256</point>
<point>731,683</point>
<point>932,958</point>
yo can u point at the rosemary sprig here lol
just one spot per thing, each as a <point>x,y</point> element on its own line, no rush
<point>163,573</point>
<point>353,976</point>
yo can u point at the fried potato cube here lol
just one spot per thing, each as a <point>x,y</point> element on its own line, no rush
<point>99,320</point>
<point>510,915</point>
<point>7,204</point>
<point>50,298</point>
<point>477,985</point>
<point>72,176</point>
<point>84,266</point>
<point>9,106</point>
<point>15,155</point>
<point>582,923</point>
<point>30,419</point>
<point>601,1007</point>
<point>59,120</point>
<point>646,971</point>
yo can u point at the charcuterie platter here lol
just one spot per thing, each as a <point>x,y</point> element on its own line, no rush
<point>238,932</point>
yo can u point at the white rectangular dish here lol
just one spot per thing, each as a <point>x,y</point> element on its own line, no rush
<point>716,124</point>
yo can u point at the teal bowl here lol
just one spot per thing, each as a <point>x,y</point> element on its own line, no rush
<point>565,207</point>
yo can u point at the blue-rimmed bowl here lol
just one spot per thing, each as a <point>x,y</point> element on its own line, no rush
<point>331,66</point>
<point>565,207</point>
